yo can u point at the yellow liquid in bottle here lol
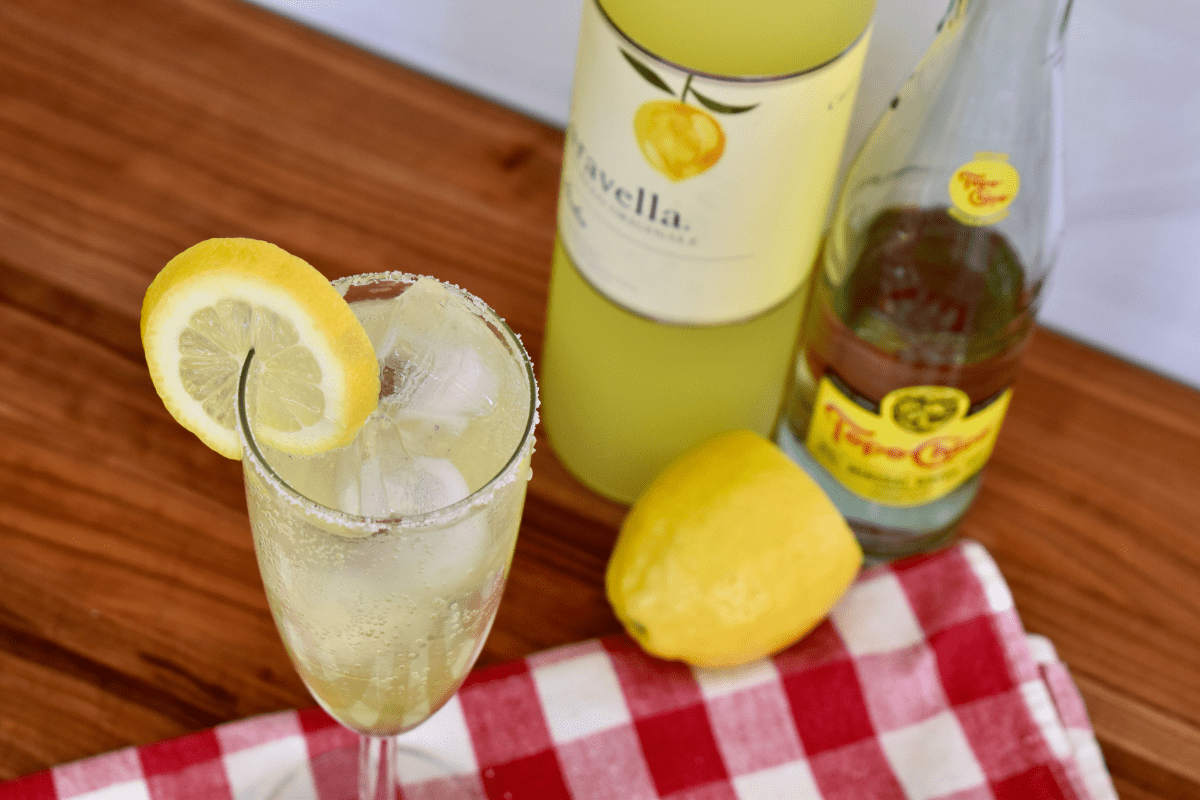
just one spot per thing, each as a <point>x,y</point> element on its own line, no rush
<point>623,395</point>
<point>746,37</point>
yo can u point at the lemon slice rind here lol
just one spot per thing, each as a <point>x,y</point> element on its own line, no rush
<point>269,281</point>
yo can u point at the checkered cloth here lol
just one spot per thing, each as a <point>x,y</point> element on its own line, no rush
<point>922,684</point>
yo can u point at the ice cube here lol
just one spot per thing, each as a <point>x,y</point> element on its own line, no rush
<point>443,384</point>
<point>391,485</point>
<point>382,479</point>
<point>429,345</point>
<point>375,315</point>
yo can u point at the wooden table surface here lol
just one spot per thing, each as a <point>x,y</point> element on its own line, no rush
<point>130,604</point>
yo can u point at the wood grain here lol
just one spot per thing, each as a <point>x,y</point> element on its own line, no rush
<point>130,604</point>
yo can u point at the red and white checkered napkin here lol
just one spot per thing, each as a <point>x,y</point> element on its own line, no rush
<point>921,685</point>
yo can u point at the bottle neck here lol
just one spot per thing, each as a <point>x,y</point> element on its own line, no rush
<point>998,26</point>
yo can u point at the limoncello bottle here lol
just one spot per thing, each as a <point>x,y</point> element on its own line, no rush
<point>701,152</point>
<point>948,224</point>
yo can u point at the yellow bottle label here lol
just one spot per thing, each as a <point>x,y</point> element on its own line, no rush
<point>919,447</point>
<point>691,198</point>
<point>982,190</point>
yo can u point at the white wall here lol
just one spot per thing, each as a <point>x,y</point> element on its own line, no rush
<point>1129,277</point>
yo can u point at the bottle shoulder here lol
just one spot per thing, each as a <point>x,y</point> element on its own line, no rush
<point>742,38</point>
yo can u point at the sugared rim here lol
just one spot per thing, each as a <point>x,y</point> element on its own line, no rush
<point>356,524</point>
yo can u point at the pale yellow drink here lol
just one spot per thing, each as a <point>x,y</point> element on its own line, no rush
<point>384,561</point>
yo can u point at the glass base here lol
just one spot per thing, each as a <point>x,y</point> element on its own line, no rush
<point>886,533</point>
<point>334,776</point>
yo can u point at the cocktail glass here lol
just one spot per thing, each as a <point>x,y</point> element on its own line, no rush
<point>384,561</point>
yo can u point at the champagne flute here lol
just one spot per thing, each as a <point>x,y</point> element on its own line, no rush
<point>384,561</point>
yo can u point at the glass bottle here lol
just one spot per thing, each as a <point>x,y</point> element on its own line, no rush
<point>701,158</point>
<point>930,276</point>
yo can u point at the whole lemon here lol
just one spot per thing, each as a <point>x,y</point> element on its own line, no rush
<point>731,554</point>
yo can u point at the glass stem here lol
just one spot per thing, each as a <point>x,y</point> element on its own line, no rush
<point>377,768</point>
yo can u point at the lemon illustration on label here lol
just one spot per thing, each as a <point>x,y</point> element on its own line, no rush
<point>677,139</point>
<point>982,190</point>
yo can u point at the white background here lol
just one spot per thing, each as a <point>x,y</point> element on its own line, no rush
<point>1128,280</point>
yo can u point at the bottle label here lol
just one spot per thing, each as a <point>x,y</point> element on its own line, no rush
<point>695,199</point>
<point>982,190</point>
<point>921,445</point>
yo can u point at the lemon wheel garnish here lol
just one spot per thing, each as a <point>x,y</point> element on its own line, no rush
<point>317,379</point>
<point>731,554</point>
